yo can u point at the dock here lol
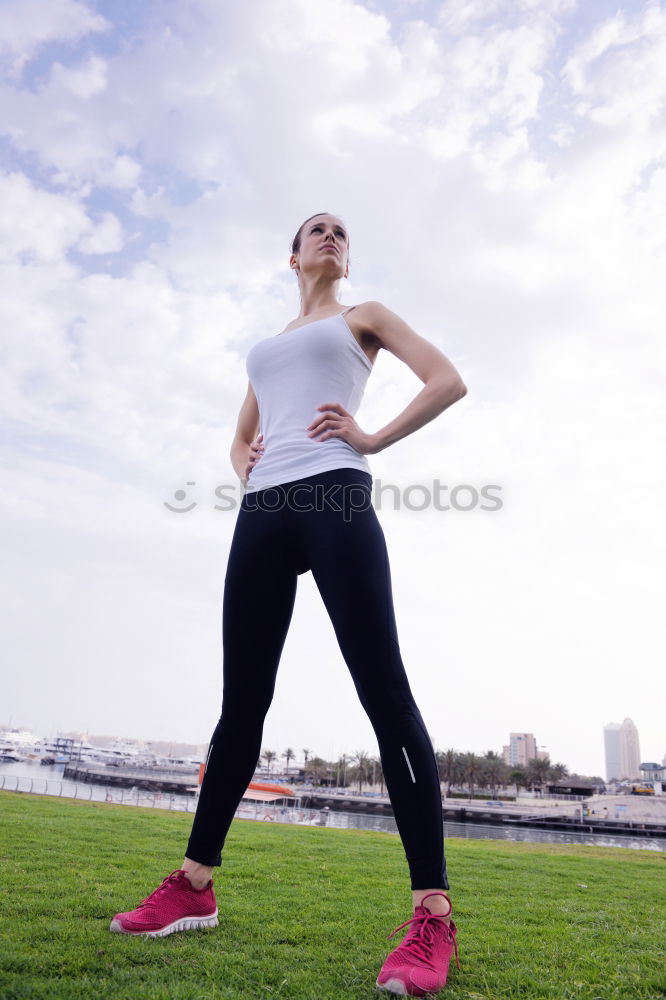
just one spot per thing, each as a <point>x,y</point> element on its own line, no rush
<point>148,778</point>
<point>535,813</point>
<point>635,817</point>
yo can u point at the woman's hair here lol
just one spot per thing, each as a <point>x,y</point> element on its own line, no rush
<point>296,243</point>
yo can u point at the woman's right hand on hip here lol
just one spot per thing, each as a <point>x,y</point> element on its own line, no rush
<point>256,451</point>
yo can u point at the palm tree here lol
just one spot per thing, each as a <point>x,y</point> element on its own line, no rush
<point>518,777</point>
<point>538,771</point>
<point>269,756</point>
<point>447,767</point>
<point>362,766</point>
<point>288,755</point>
<point>494,771</point>
<point>559,771</point>
<point>306,757</point>
<point>382,781</point>
<point>472,771</point>
<point>377,772</point>
<point>318,768</point>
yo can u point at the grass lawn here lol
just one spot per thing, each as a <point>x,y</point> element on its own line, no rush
<point>305,912</point>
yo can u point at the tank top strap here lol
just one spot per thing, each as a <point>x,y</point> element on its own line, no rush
<point>348,309</point>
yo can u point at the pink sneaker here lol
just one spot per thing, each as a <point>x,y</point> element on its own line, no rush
<point>174,906</point>
<point>420,964</point>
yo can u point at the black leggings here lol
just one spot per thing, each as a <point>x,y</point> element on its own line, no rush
<point>325,523</point>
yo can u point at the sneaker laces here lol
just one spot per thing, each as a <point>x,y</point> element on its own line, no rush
<point>422,937</point>
<point>166,884</point>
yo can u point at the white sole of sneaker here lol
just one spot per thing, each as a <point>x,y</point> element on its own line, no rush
<point>393,986</point>
<point>184,924</point>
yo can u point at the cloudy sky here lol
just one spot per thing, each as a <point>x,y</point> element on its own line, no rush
<point>500,165</point>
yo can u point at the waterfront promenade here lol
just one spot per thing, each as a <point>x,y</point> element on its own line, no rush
<point>634,808</point>
<point>613,819</point>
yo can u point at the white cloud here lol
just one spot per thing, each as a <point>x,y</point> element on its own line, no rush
<point>619,72</point>
<point>120,171</point>
<point>42,226</point>
<point>460,16</point>
<point>27,25</point>
<point>36,223</point>
<point>83,81</point>
<point>105,237</point>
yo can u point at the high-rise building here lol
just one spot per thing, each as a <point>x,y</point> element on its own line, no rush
<point>612,750</point>
<point>521,748</point>
<point>630,754</point>
<point>622,751</point>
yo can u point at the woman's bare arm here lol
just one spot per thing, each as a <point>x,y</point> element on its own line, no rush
<point>244,443</point>
<point>443,384</point>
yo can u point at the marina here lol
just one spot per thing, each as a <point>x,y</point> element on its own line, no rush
<point>540,821</point>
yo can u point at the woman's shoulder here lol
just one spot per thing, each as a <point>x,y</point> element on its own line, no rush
<point>373,311</point>
<point>369,307</point>
<point>370,316</point>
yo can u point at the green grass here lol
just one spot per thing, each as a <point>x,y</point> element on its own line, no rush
<point>305,912</point>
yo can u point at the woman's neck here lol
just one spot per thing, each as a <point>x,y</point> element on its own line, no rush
<point>318,298</point>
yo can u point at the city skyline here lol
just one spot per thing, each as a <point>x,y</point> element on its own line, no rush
<point>520,754</point>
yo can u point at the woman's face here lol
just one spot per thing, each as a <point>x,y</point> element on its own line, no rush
<point>323,246</point>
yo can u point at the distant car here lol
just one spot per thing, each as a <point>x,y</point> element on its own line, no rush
<point>642,789</point>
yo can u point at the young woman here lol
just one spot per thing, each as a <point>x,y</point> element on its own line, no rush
<point>307,506</point>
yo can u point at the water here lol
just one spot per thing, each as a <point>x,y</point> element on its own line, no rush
<point>49,780</point>
<point>25,777</point>
<point>487,831</point>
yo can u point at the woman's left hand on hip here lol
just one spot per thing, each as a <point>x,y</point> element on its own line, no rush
<point>335,421</point>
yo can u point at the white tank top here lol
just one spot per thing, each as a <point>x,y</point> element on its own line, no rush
<point>292,374</point>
